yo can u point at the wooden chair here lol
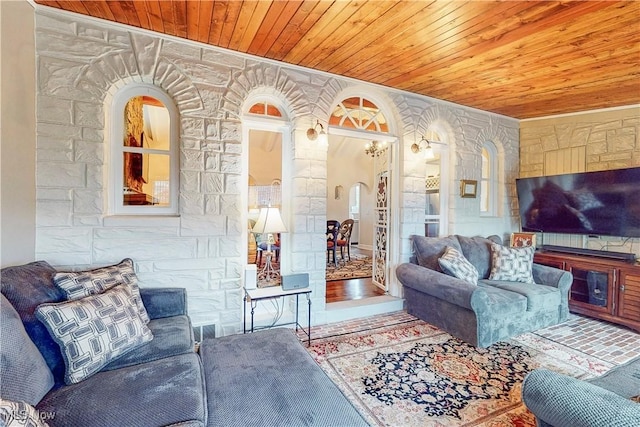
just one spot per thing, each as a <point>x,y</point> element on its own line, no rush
<point>344,238</point>
<point>333,226</point>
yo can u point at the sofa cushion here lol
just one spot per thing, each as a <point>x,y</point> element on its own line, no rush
<point>501,303</point>
<point>19,414</point>
<point>477,250</point>
<point>171,336</point>
<point>539,297</point>
<point>80,284</point>
<point>429,249</point>
<point>455,264</point>
<point>95,330</point>
<point>26,287</point>
<point>24,373</point>
<point>511,264</point>
<point>160,393</point>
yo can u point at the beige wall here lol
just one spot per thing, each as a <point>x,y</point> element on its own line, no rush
<point>582,142</point>
<point>590,141</point>
<point>17,133</point>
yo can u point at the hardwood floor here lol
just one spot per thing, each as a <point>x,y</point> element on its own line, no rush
<point>352,289</point>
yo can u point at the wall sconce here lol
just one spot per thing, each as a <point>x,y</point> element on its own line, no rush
<point>375,148</point>
<point>425,146</point>
<point>321,136</point>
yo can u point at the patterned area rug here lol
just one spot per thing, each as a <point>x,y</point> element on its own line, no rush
<point>413,374</point>
<point>359,267</point>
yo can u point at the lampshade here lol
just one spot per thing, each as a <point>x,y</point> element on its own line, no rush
<point>269,221</point>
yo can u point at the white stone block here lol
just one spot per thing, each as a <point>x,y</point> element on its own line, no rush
<point>89,152</point>
<point>212,183</point>
<point>192,160</point>
<point>231,163</point>
<point>189,264</point>
<point>60,174</point>
<point>105,250</point>
<point>233,184</point>
<point>88,115</point>
<point>60,259</point>
<point>191,280</point>
<point>54,110</point>
<point>190,181</point>
<point>210,225</point>
<point>53,213</point>
<point>64,240</point>
<point>87,201</point>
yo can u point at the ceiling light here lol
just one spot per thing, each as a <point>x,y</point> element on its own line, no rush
<point>375,148</point>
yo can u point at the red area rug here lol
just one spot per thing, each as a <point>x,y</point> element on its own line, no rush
<point>413,374</point>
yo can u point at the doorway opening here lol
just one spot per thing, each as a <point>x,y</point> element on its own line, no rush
<point>351,200</point>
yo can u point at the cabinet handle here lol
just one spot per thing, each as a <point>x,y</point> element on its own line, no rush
<point>621,288</point>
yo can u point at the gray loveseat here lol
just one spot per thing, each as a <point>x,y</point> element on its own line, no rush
<point>558,400</point>
<point>265,378</point>
<point>489,311</point>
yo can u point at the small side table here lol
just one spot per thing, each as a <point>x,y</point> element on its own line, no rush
<point>252,296</point>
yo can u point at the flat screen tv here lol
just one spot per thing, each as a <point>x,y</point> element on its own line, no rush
<point>594,203</point>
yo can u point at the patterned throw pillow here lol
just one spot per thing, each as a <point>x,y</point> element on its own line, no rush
<point>80,284</point>
<point>19,414</point>
<point>513,264</point>
<point>94,331</point>
<point>455,264</point>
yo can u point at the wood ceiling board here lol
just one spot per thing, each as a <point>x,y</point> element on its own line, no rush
<point>482,54</point>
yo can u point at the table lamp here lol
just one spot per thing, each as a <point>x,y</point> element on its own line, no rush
<point>269,222</point>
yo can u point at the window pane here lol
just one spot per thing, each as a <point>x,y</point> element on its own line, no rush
<point>485,163</point>
<point>146,124</point>
<point>146,179</point>
<point>484,196</point>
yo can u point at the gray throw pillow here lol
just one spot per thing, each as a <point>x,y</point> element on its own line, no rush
<point>429,249</point>
<point>512,264</point>
<point>455,264</point>
<point>95,330</point>
<point>80,284</point>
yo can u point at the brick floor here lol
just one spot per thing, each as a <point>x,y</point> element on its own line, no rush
<point>604,340</point>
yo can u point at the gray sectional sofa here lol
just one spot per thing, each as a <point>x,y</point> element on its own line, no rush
<point>265,378</point>
<point>487,311</point>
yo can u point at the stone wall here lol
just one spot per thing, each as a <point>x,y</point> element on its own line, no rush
<point>83,62</point>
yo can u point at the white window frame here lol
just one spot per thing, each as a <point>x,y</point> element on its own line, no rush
<point>116,190</point>
<point>491,180</point>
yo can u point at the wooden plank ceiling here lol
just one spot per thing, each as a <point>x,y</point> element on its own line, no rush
<point>523,59</point>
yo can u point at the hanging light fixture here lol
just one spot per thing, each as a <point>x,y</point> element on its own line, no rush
<point>375,148</point>
<point>425,146</point>
<point>321,136</point>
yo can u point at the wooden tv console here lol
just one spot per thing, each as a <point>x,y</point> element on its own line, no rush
<point>603,288</point>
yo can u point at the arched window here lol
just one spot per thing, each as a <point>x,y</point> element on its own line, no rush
<point>144,152</point>
<point>359,113</point>
<point>265,109</point>
<point>489,180</point>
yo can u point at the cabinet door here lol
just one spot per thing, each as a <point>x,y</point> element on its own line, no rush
<point>592,287</point>
<point>629,296</point>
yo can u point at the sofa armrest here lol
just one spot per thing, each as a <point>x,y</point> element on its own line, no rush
<point>559,400</point>
<point>551,276</point>
<point>164,302</point>
<point>436,284</point>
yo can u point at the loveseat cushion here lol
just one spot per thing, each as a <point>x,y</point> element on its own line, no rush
<point>539,297</point>
<point>477,250</point>
<point>497,302</point>
<point>171,336</point>
<point>26,287</point>
<point>159,393</point>
<point>24,373</point>
<point>429,249</point>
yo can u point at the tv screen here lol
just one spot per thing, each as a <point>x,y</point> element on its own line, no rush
<point>595,203</point>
